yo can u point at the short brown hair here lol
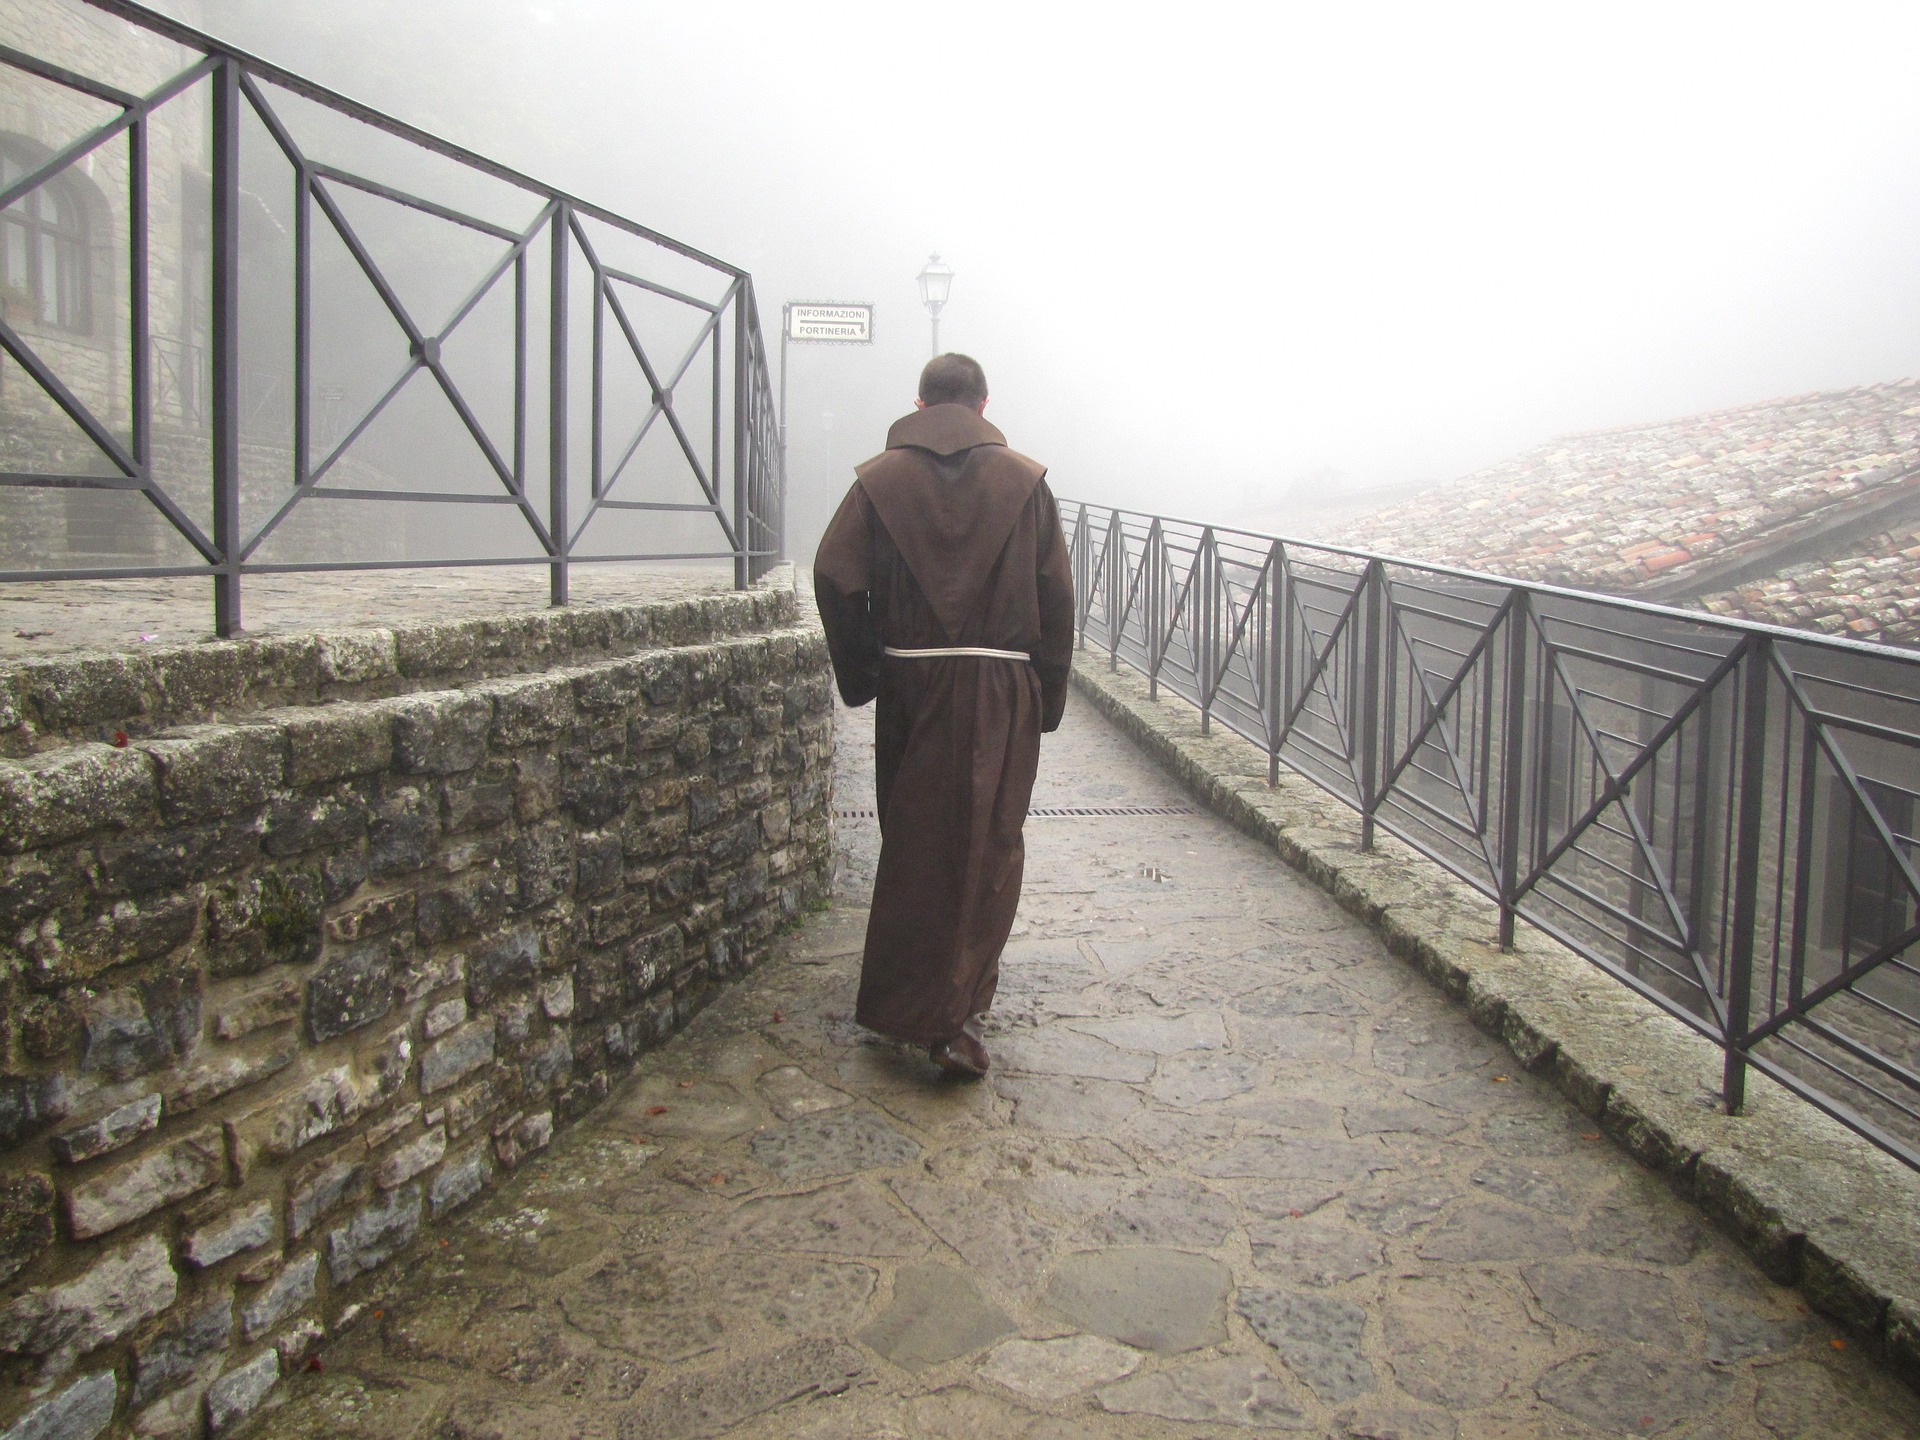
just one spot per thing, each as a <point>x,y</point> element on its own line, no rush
<point>953,380</point>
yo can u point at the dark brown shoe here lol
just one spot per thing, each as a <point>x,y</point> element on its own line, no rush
<point>963,1055</point>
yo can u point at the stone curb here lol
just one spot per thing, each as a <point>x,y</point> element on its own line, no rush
<point>90,695</point>
<point>1814,1204</point>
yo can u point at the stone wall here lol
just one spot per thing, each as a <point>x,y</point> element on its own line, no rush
<point>286,985</point>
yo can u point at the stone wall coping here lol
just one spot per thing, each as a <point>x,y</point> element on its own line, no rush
<point>1817,1206</point>
<point>195,773</point>
<point>99,695</point>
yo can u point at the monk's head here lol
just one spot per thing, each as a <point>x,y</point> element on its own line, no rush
<point>953,380</point>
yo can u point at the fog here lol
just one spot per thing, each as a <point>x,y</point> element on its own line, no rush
<point>1211,255</point>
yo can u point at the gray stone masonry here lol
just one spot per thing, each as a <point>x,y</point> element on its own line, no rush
<point>1816,1206</point>
<point>306,941</point>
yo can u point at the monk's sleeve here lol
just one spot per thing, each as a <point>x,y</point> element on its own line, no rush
<point>843,589</point>
<point>1053,661</point>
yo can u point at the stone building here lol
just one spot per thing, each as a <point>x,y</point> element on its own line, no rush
<point>67,287</point>
<point>1802,512</point>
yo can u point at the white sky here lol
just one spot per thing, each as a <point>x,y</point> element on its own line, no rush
<point>1204,250</point>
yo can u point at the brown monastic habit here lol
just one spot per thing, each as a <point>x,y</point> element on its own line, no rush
<point>948,538</point>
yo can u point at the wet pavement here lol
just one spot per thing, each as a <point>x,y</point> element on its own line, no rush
<point>1236,1170</point>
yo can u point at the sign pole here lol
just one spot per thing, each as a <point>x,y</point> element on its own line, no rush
<point>810,322</point>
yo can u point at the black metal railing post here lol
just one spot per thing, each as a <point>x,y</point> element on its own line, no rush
<point>1513,762</point>
<point>1156,605</point>
<point>1116,587</point>
<point>1751,801</point>
<point>303,334</point>
<point>557,409</point>
<point>1372,605</point>
<point>742,378</point>
<point>1279,654</point>
<point>225,337</point>
<point>1206,563</point>
<point>1082,574</point>
<point>521,340</point>
<point>139,301</point>
<point>1292,656</point>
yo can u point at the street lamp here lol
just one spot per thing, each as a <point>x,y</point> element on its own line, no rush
<point>936,281</point>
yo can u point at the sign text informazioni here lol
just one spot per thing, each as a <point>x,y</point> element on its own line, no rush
<point>845,324</point>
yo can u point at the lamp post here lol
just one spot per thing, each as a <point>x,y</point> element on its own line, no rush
<point>936,282</point>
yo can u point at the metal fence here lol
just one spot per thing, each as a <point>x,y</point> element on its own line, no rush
<point>1719,815</point>
<point>605,388</point>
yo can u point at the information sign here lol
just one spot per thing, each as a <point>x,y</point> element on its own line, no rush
<point>835,324</point>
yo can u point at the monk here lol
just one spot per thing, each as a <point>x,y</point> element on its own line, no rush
<point>946,593</point>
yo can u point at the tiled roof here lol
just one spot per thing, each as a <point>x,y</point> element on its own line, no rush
<point>1649,507</point>
<point>1872,593</point>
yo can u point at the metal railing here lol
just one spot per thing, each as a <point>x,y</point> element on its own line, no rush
<point>183,382</point>
<point>1720,815</point>
<point>554,446</point>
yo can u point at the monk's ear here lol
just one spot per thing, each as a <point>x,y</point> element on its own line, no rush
<point>918,403</point>
<point>981,408</point>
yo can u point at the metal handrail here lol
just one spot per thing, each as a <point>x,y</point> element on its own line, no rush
<point>731,457</point>
<point>1721,815</point>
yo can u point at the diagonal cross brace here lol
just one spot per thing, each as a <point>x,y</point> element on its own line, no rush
<point>1436,708</point>
<point>134,109</point>
<point>1616,791</point>
<point>1245,613</point>
<point>1318,669</point>
<point>662,403</point>
<point>1616,785</point>
<point>416,339</point>
<point>1842,981</point>
<point>1436,705</point>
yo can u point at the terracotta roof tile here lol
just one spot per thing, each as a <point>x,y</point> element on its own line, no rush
<point>1621,510</point>
<point>1873,594</point>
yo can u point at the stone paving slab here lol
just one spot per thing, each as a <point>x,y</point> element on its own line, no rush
<point>1234,1176</point>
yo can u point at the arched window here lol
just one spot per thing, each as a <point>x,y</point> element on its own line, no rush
<point>45,257</point>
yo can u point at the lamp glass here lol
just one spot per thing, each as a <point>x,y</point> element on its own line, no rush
<point>936,282</point>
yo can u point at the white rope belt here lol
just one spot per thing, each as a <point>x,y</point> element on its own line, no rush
<point>958,650</point>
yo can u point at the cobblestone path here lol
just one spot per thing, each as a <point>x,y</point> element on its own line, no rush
<point>1236,1170</point>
